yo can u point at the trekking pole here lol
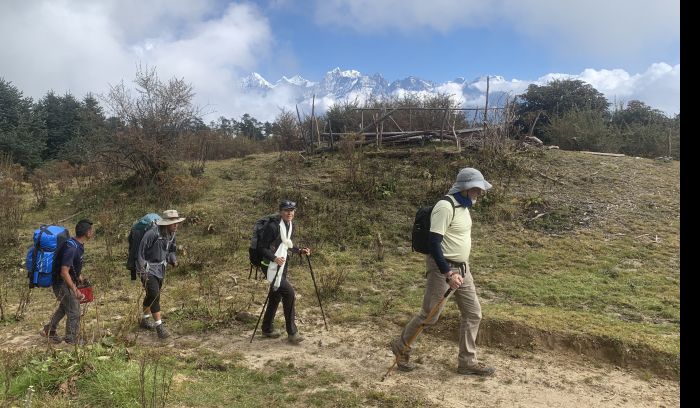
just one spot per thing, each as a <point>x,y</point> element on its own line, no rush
<point>269,292</point>
<point>420,329</point>
<point>313,278</point>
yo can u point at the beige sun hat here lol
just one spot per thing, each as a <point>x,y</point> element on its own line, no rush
<point>170,217</point>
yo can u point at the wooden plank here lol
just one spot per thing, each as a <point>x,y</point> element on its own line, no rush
<point>603,154</point>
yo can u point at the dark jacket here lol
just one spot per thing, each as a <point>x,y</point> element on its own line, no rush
<point>155,250</point>
<point>271,240</point>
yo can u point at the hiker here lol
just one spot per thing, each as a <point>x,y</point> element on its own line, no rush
<point>447,266</point>
<point>276,240</point>
<point>69,265</point>
<point>156,250</point>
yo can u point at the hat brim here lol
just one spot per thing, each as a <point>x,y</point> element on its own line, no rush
<point>482,184</point>
<point>170,221</point>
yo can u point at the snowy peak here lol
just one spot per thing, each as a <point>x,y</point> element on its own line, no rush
<point>296,80</point>
<point>255,81</point>
<point>339,85</point>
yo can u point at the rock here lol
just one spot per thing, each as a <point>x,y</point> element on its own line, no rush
<point>245,317</point>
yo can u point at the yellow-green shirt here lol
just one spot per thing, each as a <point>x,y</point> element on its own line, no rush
<point>456,233</point>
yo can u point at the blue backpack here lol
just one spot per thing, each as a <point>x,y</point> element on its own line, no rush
<point>42,256</point>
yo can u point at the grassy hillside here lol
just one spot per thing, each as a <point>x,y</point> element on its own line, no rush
<point>568,245</point>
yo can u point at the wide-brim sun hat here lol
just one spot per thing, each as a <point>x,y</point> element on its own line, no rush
<point>468,178</point>
<point>170,217</point>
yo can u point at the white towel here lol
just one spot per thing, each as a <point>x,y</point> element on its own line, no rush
<point>285,245</point>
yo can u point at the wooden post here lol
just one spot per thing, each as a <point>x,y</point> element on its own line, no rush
<point>311,125</point>
<point>380,246</point>
<point>318,132</point>
<point>442,123</point>
<point>330,130</point>
<point>301,128</point>
<point>669,143</point>
<point>486,108</point>
<point>381,129</point>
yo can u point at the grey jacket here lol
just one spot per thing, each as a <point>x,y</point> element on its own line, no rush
<point>154,252</point>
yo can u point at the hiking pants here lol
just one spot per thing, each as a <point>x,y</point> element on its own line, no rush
<point>467,301</point>
<point>285,293</point>
<point>152,284</point>
<point>68,305</point>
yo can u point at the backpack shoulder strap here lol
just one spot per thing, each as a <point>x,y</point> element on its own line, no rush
<point>452,201</point>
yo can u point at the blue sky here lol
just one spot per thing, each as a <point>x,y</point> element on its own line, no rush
<point>627,49</point>
<point>470,50</point>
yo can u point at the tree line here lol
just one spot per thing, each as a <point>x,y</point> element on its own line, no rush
<point>155,123</point>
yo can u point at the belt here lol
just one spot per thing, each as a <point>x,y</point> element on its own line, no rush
<point>462,266</point>
<point>455,264</point>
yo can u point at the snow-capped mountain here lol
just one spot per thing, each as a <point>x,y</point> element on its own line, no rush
<point>350,85</point>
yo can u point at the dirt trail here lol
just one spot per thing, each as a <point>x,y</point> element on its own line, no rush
<point>359,353</point>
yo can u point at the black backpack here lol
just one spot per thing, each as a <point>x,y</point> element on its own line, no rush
<point>420,235</point>
<point>138,230</point>
<point>253,251</point>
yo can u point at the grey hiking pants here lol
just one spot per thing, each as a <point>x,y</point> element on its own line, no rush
<point>467,301</point>
<point>68,305</point>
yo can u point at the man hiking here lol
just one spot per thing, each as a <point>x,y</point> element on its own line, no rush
<point>156,250</point>
<point>70,261</point>
<point>447,266</point>
<point>275,242</point>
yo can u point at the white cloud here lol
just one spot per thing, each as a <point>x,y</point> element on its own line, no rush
<point>659,86</point>
<point>56,46</point>
<point>82,46</point>
<point>604,28</point>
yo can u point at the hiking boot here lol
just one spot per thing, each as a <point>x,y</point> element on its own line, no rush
<point>163,333</point>
<point>147,323</point>
<point>50,334</point>
<point>402,363</point>
<point>74,342</point>
<point>271,335</point>
<point>476,369</point>
<point>295,338</point>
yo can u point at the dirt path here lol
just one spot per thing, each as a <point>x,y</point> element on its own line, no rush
<point>360,355</point>
<point>522,379</point>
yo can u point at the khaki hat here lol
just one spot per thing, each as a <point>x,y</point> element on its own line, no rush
<point>170,217</point>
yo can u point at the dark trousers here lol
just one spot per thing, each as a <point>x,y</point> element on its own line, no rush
<point>68,305</point>
<point>285,293</point>
<point>152,284</point>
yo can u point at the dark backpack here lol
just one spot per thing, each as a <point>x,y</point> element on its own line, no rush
<point>420,235</point>
<point>253,251</point>
<point>138,230</point>
<point>41,257</point>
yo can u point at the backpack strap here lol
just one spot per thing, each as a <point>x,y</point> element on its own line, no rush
<point>452,201</point>
<point>37,246</point>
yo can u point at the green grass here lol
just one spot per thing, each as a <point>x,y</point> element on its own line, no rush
<point>603,261</point>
